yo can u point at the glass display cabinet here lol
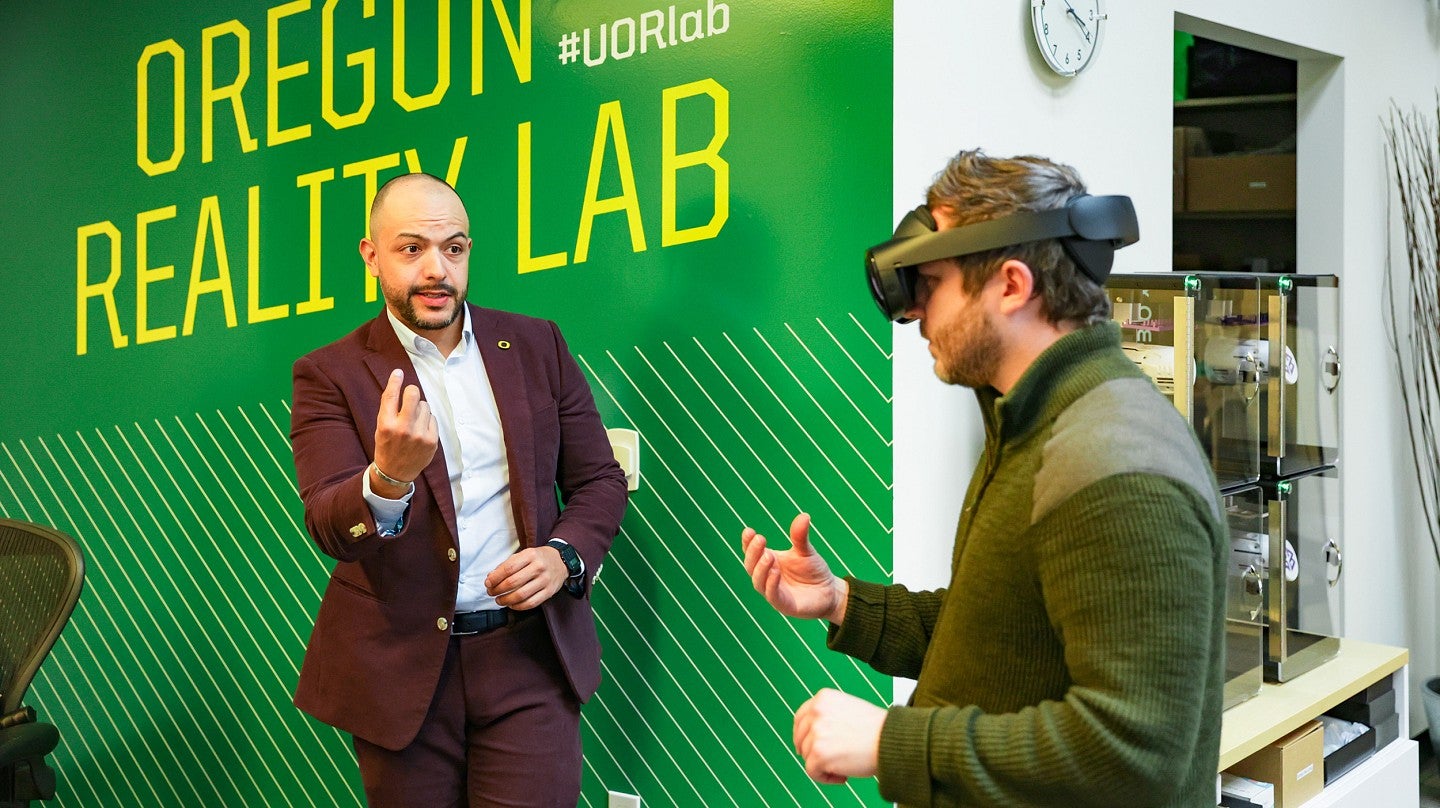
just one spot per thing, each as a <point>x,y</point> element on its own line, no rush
<point>1201,339</point>
<point>1245,595</point>
<point>1303,561</point>
<point>1301,400</point>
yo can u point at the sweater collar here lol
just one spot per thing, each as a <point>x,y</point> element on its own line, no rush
<point>1059,375</point>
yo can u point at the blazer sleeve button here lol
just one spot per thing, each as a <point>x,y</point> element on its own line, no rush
<point>441,623</point>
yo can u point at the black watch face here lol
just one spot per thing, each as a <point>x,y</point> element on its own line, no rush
<point>570,557</point>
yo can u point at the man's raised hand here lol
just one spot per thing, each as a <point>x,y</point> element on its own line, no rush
<point>405,434</point>
<point>797,581</point>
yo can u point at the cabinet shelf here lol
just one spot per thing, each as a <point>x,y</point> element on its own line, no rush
<point>1226,215</point>
<point>1237,101</point>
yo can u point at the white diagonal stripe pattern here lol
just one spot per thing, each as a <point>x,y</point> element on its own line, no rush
<point>781,401</point>
<point>666,562</point>
<point>198,618</point>
<point>838,344</point>
<point>718,533</point>
<point>887,354</point>
<point>840,388</point>
<point>739,682</point>
<point>149,715</point>
<point>722,455</point>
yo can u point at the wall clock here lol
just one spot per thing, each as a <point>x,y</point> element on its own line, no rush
<point>1068,32</point>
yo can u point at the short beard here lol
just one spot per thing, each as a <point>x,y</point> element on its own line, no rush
<point>405,307</point>
<point>968,351</point>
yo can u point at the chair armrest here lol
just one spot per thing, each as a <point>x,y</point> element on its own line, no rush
<point>27,741</point>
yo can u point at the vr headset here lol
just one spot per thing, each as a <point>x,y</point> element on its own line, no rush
<point>1089,228</point>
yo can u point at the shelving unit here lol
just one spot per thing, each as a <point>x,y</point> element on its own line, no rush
<point>1226,240</point>
<point>1390,777</point>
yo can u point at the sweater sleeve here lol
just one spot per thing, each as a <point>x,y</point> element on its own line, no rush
<point>887,627</point>
<point>1132,577</point>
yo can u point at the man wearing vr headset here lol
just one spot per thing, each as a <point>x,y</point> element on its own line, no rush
<point>1076,658</point>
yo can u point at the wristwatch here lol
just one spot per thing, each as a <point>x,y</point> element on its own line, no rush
<point>574,567</point>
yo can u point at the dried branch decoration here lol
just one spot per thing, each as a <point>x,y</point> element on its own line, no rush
<point>1412,296</point>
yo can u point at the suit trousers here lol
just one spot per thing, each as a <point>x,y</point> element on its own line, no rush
<point>502,730</point>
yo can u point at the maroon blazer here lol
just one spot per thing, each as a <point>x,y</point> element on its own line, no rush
<point>374,658</point>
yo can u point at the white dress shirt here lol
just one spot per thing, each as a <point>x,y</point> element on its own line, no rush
<point>463,403</point>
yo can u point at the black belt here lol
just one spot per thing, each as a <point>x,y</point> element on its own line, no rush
<point>486,620</point>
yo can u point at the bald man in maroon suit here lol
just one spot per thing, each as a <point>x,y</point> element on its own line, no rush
<point>455,640</point>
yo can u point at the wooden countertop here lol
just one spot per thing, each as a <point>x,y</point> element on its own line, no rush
<point>1278,709</point>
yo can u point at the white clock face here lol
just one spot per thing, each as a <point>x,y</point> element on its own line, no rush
<point>1068,32</point>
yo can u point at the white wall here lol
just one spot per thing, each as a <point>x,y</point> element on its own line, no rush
<point>968,74</point>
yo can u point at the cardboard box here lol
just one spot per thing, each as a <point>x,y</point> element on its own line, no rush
<point>1295,765</point>
<point>1244,182</point>
<point>1189,142</point>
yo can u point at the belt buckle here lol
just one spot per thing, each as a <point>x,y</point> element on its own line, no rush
<point>500,613</point>
<point>455,623</point>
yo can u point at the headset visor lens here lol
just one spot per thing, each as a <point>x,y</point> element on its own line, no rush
<point>893,286</point>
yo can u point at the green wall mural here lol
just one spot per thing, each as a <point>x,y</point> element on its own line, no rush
<point>686,189</point>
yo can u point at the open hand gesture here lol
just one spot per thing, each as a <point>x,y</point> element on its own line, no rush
<point>797,582</point>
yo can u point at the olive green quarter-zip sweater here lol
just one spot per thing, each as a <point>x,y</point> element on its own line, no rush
<point>1076,658</point>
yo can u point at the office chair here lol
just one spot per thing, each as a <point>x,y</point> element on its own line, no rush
<point>41,573</point>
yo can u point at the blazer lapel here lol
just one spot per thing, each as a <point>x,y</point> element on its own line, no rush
<point>385,354</point>
<point>503,367</point>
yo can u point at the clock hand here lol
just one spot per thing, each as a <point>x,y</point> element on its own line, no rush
<point>1071,11</point>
